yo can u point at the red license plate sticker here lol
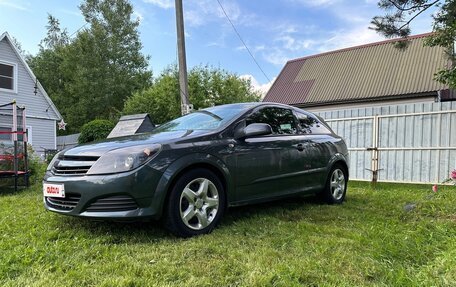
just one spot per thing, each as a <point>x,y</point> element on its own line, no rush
<point>53,190</point>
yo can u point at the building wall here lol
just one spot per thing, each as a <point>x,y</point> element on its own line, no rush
<point>40,116</point>
<point>43,134</point>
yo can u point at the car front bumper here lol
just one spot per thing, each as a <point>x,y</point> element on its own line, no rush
<point>127,195</point>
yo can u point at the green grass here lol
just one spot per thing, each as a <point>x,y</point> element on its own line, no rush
<point>369,240</point>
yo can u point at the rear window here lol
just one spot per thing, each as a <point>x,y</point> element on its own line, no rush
<point>281,120</point>
<point>310,125</point>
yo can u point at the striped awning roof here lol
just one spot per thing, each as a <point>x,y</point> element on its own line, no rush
<point>369,72</point>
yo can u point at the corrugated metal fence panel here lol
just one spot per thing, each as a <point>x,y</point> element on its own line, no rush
<point>67,141</point>
<point>416,145</point>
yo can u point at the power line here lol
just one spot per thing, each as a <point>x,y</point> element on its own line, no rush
<point>240,38</point>
<point>78,30</point>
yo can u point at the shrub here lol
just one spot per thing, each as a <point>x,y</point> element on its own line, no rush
<point>37,168</point>
<point>95,130</point>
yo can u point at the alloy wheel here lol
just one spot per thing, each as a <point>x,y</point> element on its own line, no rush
<point>199,203</point>
<point>337,184</point>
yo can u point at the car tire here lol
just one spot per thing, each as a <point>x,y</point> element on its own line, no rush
<point>336,185</point>
<point>195,204</point>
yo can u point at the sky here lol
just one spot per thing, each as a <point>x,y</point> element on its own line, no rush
<point>275,31</point>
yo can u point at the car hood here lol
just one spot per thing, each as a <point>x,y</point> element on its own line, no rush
<point>100,147</point>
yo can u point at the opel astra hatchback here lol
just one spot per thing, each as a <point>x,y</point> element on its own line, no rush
<point>189,170</point>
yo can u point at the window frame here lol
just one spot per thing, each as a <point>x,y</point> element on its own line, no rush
<point>5,126</point>
<point>29,133</point>
<point>14,65</point>
<point>278,107</point>
<point>296,113</point>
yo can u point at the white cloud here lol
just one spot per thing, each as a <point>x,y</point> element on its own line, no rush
<point>202,12</point>
<point>293,44</point>
<point>254,49</point>
<point>13,4</point>
<point>315,3</point>
<point>277,56</point>
<point>348,38</point>
<point>214,44</point>
<point>72,13</point>
<point>262,88</point>
<point>165,4</point>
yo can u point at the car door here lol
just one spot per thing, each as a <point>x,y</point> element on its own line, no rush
<point>268,166</point>
<point>315,139</point>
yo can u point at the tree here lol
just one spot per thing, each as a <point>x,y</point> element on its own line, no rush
<point>47,65</point>
<point>396,23</point>
<point>89,77</point>
<point>55,36</point>
<point>208,86</point>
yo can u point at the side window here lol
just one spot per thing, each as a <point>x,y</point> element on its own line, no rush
<point>281,120</point>
<point>5,134</point>
<point>7,76</point>
<point>310,125</point>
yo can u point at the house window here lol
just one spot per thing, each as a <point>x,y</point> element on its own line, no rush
<point>7,76</point>
<point>5,134</point>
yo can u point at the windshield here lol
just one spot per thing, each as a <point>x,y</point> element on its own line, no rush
<point>207,119</point>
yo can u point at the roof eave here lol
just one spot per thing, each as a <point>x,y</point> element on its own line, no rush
<point>376,99</point>
<point>32,75</point>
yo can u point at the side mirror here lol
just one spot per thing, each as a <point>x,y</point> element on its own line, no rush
<point>257,129</point>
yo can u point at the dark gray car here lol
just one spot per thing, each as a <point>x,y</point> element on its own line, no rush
<point>191,169</point>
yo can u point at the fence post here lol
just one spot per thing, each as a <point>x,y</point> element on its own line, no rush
<point>375,155</point>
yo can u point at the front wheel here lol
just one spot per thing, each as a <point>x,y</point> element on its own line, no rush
<point>336,186</point>
<point>196,203</point>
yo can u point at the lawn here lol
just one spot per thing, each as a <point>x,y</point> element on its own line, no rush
<point>402,235</point>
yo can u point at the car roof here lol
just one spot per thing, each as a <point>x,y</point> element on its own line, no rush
<point>252,105</point>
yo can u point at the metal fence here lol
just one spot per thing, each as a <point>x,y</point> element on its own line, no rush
<point>413,143</point>
<point>67,141</point>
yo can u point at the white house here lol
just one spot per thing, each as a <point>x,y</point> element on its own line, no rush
<point>17,82</point>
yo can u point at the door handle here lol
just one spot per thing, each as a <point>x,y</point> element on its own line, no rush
<point>300,147</point>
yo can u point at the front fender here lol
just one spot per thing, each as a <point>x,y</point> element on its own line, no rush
<point>179,165</point>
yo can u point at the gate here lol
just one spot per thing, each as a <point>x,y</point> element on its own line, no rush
<point>413,143</point>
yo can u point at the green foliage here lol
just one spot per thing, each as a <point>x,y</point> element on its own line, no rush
<point>370,240</point>
<point>208,86</point>
<point>400,13</point>
<point>91,75</point>
<point>37,167</point>
<point>95,130</point>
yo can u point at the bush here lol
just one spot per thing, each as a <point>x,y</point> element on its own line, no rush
<point>37,168</point>
<point>95,130</point>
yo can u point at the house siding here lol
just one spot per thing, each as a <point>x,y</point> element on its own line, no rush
<point>43,134</point>
<point>36,104</point>
<point>41,116</point>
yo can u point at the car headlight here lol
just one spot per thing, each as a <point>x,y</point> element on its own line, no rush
<point>54,159</point>
<point>124,159</point>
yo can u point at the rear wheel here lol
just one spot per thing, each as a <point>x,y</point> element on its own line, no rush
<point>196,203</point>
<point>336,185</point>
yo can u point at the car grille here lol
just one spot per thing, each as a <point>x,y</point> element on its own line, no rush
<point>73,165</point>
<point>113,203</point>
<point>66,203</point>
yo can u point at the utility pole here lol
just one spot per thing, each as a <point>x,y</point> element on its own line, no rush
<point>186,107</point>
